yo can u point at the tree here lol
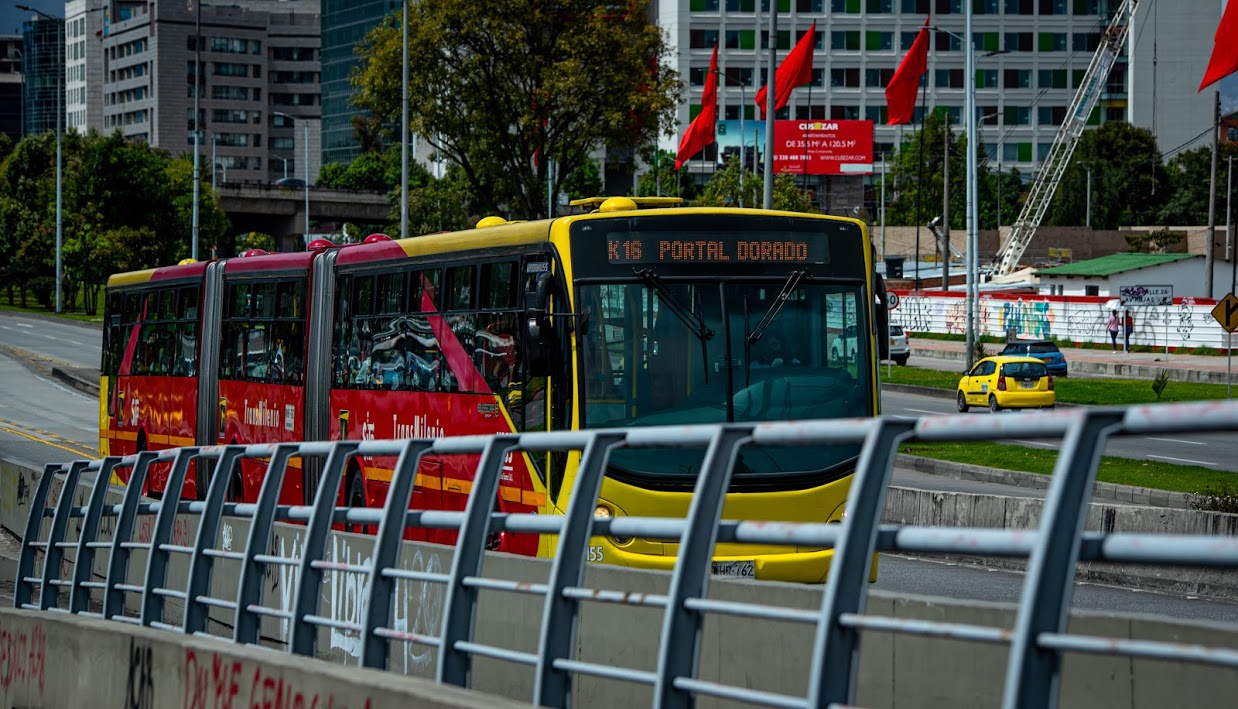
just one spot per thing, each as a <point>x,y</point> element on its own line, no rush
<point>584,181</point>
<point>1130,184</point>
<point>664,180</point>
<point>1188,176</point>
<point>917,189</point>
<point>502,89</point>
<point>370,171</point>
<point>723,190</point>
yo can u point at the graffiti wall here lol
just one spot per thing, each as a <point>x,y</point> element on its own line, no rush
<point>1187,323</point>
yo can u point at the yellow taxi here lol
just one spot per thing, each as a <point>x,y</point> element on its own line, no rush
<point>1007,383</point>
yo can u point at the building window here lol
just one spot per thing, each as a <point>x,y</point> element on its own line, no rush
<point>848,41</point>
<point>878,78</point>
<point>947,42</point>
<point>1017,79</point>
<point>949,7</point>
<point>916,7</point>
<point>849,7</point>
<point>229,69</point>
<point>879,7</point>
<point>1017,115</point>
<point>1053,7</point>
<point>949,79</point>
<point>1019,42</point>
<point>1020,7</point>
<point>986,78</point>
<point>741,39</point>
<point>1052,79</point>
<point>704,5</point>
<point>1052,42</point>
<point>1091,290</point>
<point>230,93</point>
<point>228,45</point>
<point>845,113</point>
<point>876,114</point>
<point>878,41</point>
<point>702,39</point>
<point>845,78</point>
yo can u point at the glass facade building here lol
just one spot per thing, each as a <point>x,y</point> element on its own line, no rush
<point>344,24</point>
<point>42,74</point>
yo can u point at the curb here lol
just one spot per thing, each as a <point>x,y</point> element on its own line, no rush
<point>1122,370</point>
<point>1111,492</point>
<point>76,381</point>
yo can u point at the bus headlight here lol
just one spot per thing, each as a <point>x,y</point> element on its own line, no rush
<point>605,512</point>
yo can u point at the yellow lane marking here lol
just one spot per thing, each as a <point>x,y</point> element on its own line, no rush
<point>76,451</point>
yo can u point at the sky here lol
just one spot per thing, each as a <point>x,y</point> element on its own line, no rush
<point>11,18</point>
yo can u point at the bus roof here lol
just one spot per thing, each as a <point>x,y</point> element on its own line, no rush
<point>163,273</point>
<point>512,234</point>
<point>276,261</point>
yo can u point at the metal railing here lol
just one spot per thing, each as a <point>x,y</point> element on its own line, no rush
<point>1036,642</point>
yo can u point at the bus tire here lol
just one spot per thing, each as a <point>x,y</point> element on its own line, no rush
<point>355,498</point>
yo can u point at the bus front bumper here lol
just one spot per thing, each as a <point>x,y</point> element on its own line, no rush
<point>808,566</point>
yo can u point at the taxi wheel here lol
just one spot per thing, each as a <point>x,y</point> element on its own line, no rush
<point>993,403</point>
<point>962,403</point>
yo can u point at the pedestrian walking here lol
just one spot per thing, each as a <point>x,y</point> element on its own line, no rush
<point>1113,324</point>
<point>1130,327</point>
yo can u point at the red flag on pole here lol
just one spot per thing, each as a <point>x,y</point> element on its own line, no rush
<point>1225,47</point>
<point>795,70</point>
<point>700,132</point>
<point>903,86</point>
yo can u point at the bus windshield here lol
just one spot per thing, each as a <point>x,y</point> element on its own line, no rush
<point>695,351</point>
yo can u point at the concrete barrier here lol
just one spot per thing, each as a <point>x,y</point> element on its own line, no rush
<point>894,670</point>
<point>50,660</point>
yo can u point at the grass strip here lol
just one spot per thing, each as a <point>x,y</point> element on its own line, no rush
<point>1191,479</point>
<point>1070,390</point>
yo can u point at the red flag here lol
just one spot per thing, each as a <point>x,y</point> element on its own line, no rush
<point>701,131</point>
<point>795,70</point>
<point>903,86</point>
<point>1225,48</point>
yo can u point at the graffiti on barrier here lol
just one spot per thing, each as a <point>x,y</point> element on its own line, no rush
<point>915,313</point>
<point>1186,323</point>
<point>417,609</point>
<point>140,688</point>
<point>23,658</point>
<point>217,682</point>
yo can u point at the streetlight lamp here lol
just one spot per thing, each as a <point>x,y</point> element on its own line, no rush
<point>59,169</point>
<point>305,169</point>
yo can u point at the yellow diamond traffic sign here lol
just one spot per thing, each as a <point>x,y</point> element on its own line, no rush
<point>1226,312</point>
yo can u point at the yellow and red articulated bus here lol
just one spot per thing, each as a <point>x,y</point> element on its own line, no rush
<point>644,313</point>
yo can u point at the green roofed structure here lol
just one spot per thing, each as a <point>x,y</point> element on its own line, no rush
<point>1113,264</point>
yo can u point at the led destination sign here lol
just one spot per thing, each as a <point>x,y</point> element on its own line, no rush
<point>751,248</point>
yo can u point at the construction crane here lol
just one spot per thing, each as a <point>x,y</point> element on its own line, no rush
<point>1054,165</point>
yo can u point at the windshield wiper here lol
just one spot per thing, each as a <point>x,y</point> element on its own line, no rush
<point>776,307</point>
<point>694,320</point>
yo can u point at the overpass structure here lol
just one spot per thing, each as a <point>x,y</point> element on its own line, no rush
<point>280,211</point>
<point>562,631</point>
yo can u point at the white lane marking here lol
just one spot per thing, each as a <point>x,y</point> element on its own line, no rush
<point>1178,440</point>
<point>23,324</point>
<point>1181,460</point>
<point>1037,443</point>
<point>922,411</point>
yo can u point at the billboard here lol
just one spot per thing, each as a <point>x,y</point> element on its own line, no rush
<point>825,147</point>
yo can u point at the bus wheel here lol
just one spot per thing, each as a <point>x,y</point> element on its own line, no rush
<point>356,500</point>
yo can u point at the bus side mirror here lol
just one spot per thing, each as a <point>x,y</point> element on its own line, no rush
<point>539,332</point>
<point>882,316</point>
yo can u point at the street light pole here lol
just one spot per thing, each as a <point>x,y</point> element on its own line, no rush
<point>59,161</point>
<point>197,126</point>
<point>305,159</point>
<point>403,139</point>
<point>214,161</point>
<point>973,261</point>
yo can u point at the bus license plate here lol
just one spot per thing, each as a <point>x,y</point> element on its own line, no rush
<point>737,569</point>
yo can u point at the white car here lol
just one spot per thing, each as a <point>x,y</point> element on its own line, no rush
<point>900,347</point>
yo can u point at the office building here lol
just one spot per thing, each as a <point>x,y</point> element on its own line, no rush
<point>10,87</point>
<point>84,24</point>
<point>1030,58</point>
<point>251,60</point>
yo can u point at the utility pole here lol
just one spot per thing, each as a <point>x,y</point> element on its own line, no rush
<point>1229,199</point>
<point>769,105</point>
<point>883,207</point>
<point>945,202</point>
<point>1088,217</point>
<point>1212,195</point>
